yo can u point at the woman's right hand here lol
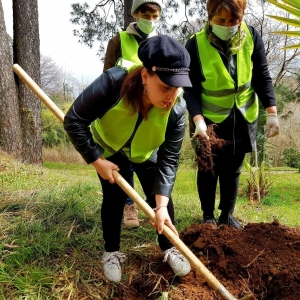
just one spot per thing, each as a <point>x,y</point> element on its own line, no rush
<point>201,127</point>
<point>104,168</point>
<point>163,218</point>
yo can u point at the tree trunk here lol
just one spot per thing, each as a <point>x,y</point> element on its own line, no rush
<point>128,18</point>
<point>10,123</point>
<point>27,55</point>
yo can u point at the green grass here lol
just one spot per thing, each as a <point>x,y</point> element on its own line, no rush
<point>50,222</point>
<point>282,202</point>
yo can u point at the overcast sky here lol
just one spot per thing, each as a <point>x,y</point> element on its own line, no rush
<point>57,40</point>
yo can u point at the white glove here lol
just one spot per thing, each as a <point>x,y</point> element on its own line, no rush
<point>201,129</point>
<point>272,125</point>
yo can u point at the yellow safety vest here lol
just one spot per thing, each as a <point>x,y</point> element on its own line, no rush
<point>118,125</point>
<point>129,47</point>
<point>219,92</point>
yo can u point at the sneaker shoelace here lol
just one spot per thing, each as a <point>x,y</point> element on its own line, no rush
<point>114,258</point>
<point>131,213</point>
<point>173,253</point>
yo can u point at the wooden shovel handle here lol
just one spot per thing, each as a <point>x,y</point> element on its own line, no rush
<point>140,202</point>
<point>39,92</point>
<point>176,241</point>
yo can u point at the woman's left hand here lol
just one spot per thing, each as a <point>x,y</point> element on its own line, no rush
<point>105,169</point>
<point>272,125</point>
<point>163,218</point>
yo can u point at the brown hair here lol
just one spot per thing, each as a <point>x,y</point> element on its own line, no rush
<point>133,89</point>
<point>151,7</point>
<point>235,7</point>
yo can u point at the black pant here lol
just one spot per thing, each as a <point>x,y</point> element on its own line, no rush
<point>129,201</point>
<point>114,200</point>
<point>227,169</point>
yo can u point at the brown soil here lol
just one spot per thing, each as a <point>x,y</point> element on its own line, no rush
<point>205,148</point>
<point>263,259</point>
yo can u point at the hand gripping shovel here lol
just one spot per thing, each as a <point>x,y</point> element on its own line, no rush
<point>194,261</point>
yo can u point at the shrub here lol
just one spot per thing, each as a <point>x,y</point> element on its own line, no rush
<point>53,133</point>
<point>292,157</point>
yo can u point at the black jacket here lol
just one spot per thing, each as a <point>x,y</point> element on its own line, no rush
<point>96,100</point>
<point>235,128</point>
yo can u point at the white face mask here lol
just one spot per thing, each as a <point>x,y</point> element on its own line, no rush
<point>223,32</point>
<point>147,26</point>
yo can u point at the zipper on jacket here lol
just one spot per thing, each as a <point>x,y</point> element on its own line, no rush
<point>233,135</point>
<point>219,49</point>
<point>234,103</point>
<point>235,90</point>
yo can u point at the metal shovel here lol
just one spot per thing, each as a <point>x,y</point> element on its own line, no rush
<point>176,241</point>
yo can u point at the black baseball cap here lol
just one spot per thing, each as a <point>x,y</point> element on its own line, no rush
<point>168,58</point>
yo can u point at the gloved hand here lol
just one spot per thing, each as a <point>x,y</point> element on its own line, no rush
<point>201,129</point>
<point>272,125</point>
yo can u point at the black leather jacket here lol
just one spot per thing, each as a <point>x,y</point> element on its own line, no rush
<point>96,100</point>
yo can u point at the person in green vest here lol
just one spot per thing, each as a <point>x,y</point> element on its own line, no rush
<point>125,44</point>
<point>135,116</point>
<point>229,73</point>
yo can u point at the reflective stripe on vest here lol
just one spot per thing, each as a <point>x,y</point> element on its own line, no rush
<point>117,126</point>
<point>129,47</point>
<point>219,93</point>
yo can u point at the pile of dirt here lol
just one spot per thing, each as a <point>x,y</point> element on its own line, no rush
<point>263,259</point>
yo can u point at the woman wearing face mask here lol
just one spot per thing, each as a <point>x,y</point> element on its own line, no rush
<point>125,44</point>
<point>229,73</point>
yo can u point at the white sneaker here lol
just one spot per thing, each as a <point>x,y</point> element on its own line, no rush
<point>130,216</point>
<point>177,262</point>
<point>111,265</point>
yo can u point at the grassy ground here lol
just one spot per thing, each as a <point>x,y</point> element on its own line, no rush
<point>49,221</point>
